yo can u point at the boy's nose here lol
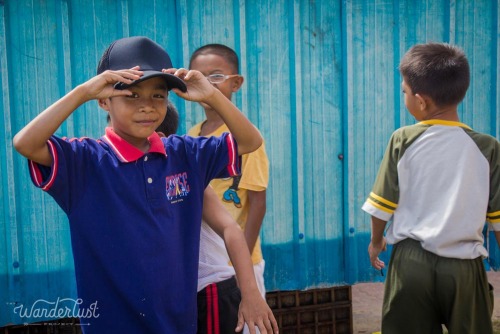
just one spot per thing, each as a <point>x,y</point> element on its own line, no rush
<point>147,105</point>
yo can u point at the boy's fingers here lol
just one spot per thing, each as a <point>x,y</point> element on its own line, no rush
<point>269,327</point>
<point>178,91</point>
<point>263,328</point>
<point>121,92</point>
<point>240,324</point>
<point>181,72</point>
<point>274,323</point>
<point>113,78</point>
<point>378,264</point>
<point>251,327</point>
<point>239,327</point>
<point>134,72</point>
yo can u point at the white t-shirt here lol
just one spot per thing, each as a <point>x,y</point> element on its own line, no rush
<point>214,262</point>
<point>439,182</point>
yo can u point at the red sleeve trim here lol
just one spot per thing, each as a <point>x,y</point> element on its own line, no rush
<point>36,174</point>
<point>233,166</point>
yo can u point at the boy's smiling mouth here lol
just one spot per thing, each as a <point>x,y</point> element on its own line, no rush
<point>146,122</point>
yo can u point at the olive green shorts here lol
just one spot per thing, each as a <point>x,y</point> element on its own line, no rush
<point>424,291</point>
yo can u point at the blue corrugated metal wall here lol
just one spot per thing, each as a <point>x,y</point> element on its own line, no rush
<point>321,84</point>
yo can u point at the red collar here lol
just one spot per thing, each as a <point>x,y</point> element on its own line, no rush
<point>129,153</point>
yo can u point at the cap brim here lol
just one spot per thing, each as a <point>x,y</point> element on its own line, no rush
<point>172,81</point>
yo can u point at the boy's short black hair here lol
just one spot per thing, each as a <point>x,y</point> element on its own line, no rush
<point>171,122</point>
<point>218,49</point>
<point>438,70</point>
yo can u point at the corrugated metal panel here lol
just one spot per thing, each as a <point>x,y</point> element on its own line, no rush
<point>321,83</point>
<point>377,34</point>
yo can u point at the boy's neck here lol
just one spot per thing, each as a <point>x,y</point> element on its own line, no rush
<point>212,123</point>
<point>142,146</point>
<point>443,113</point>
<point>145,148</point>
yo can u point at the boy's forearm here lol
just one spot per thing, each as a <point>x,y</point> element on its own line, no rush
<point>240,258</point>
<point>31,141</point>
<point>256,213</point>
<point>246,134</point>
<point>378,228</point>
<point>221,221</point>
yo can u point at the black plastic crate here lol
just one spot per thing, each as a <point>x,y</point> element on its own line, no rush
<point>324,311</point>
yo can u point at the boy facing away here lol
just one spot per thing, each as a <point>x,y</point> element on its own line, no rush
<point>243,196</point>
<point>133,199</point>
<point>439,181</point>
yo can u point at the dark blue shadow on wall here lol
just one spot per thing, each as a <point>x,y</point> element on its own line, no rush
<point>320,263</point>
<point>33,298</point>
<point>317,263</point>
<point>493,260</point>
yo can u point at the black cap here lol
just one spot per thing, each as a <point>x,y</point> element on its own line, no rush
<point>139,51</point>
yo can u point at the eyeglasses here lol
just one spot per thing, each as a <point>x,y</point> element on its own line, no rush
<point>220,78</point>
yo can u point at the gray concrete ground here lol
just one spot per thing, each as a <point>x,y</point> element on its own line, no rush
<point>367,304</point>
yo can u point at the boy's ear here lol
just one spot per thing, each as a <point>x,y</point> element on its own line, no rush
<point>422,100</point>
<point>237,82</point>
<point>104,104</point>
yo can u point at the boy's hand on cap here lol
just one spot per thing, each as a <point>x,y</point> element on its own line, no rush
<point>103,85</point>
<point>199,89</point>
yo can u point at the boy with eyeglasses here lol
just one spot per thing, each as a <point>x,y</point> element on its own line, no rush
<point>216,216</point>
<point>243,196</point>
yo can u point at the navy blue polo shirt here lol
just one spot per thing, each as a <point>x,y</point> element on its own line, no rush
<point>135,225</point>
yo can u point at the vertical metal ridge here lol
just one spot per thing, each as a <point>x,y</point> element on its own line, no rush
<point>396,77</point>
<point>7,151</point>
<point>494,75</point>
<point>10,205</point>
<point>64,52</point>
<point>346,120</point>
<point>125,26</point>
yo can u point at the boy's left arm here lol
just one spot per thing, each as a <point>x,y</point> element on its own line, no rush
<point>377,242</point>
<point>253,308</point>
<point>256,213</point>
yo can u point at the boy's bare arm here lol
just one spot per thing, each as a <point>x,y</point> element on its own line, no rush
<point>201,90</point>
<point>256,213</point>
<point>246,134</point>
<point>377,243</point>
<point>253,308</point>
<point>31,141</point>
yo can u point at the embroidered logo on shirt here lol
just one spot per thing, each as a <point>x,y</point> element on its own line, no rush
<point>177,186</point>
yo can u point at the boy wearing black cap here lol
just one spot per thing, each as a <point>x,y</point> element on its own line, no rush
<point>134,199</point>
